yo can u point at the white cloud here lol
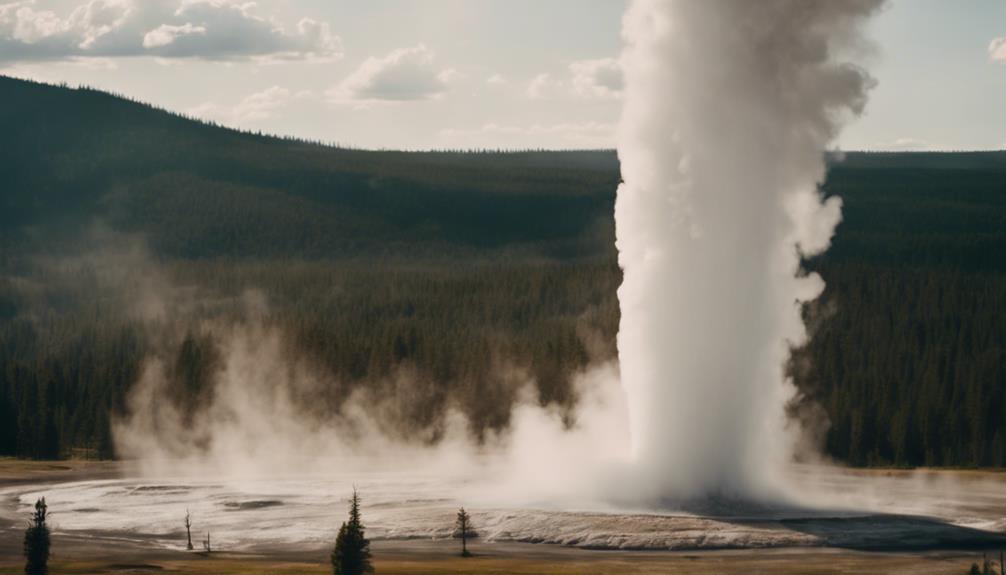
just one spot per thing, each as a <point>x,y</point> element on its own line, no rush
<point>206,29</point>
<point>997,50</point>
<point>449,75</point>
<point>587,79</point>
<point>905,145</point>
<point>597,78</point>
<point>166,34</point>
<point>404,74</point>
<point>543,86</point>
<point>592,135</point>
<point>253,108</point>
<point>496,80</point>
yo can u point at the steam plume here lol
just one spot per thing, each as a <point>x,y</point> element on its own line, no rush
<point>729,106</point>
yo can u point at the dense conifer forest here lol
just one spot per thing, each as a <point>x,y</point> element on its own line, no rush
<point>124,229</point>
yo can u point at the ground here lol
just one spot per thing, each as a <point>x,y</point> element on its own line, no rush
<point>430,558</point>
<point>73,554</point>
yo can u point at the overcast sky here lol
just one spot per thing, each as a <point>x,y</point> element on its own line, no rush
<point>467,73</point>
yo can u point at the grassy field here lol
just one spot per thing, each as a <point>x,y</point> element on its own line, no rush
<point>19,471</point>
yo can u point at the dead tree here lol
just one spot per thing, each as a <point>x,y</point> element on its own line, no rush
<point>188,530</point>
<point>206,543</point>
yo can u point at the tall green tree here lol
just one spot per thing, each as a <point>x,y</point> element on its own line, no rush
<point>36,542</point>
<point>351,555</point>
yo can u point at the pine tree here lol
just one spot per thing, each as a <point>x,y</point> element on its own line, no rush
<point>464,530</point>
<point>351,555</point>
<point>36,542</point>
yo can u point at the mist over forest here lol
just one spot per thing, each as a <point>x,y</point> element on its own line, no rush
<point>438,281</point>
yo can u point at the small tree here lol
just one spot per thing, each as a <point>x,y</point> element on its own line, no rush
<point>188,529</point>
<point>36,542</point>
<point>351,555</point>
<point>206,543</point>
<point>463,529</point>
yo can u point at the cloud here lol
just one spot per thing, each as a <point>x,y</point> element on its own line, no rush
<point>584,135</point>
<point>905,145</point>
<point>544,86</point>
<point>204,29</point>
<point>496,80</point>
<point>597,78</point>
<point>253,108</point>
<point>166,34</point>
<point>588,79</point>
<point>997,50</point>
<point>404,74</point>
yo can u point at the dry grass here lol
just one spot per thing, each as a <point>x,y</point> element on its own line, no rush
<point>580,563</point>
<point>15,471</point>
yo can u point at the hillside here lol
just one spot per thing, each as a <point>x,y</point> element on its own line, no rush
<point>459,268</point>
<point>201,191</point>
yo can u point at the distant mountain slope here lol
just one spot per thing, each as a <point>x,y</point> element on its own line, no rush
<point>200,190</point>
<point>73,156</point>
<point>922,209</point>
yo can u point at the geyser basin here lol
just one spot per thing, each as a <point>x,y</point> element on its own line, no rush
<point>895,511</point>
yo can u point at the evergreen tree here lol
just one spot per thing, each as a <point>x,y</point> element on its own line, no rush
<point>36,542</point>
<point>463,529</point>
<point>351,555</point>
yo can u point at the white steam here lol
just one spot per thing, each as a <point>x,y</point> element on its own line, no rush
<point>729,106</point>
<point>255,422</point>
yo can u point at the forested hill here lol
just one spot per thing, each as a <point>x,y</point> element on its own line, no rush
<point>196,190</point>
<point>461,269</point>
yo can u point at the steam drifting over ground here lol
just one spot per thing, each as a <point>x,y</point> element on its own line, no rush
<point>729,108</point>
<point>256,421</point>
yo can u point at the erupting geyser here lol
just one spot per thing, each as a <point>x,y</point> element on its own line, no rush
<point>729,107</point>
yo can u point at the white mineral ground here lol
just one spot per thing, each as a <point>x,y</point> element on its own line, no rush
<point>855,510</point>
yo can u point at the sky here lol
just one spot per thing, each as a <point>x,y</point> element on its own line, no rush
<point>411,74</point>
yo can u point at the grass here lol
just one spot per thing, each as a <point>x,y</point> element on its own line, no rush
<point>581,563</point>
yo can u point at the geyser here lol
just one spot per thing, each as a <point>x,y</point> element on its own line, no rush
<point>729,106</point>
